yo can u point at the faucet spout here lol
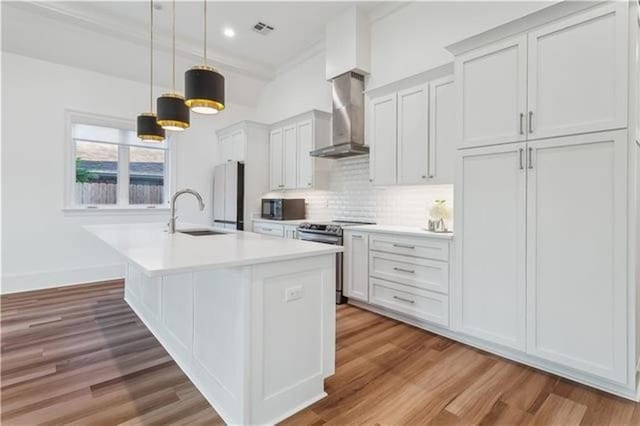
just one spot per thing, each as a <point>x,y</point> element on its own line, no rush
<point>172,220</point>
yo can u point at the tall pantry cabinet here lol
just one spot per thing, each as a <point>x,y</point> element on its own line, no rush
<point>546,192</point>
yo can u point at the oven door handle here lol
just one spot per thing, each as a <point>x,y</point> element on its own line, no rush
<point>317,238</point>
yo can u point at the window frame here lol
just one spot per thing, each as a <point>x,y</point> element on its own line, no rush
<point>122,201</point>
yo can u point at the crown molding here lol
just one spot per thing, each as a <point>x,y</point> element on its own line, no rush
<point>64,12</point>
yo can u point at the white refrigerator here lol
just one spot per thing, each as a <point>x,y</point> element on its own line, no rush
<point>228,195</point>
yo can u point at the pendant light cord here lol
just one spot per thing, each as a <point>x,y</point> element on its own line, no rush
<point>174,46</point>
<point>205,32</point>
<point>151,56</point>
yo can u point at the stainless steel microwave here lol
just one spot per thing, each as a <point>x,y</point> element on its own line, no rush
<point>283,208</point>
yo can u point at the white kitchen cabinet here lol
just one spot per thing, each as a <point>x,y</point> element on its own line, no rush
<point>578,73</point>
<point>576,245</point>
<point>492,93</point>
<point>490,233</point>
<point>566,77</point>
<point>356,265</point>
<point>411,130</point>
<point>232,146</point>
<point>290,157</point>
<point>305,161</point>
<point>291,165</point>
<point>268,228</point>
<point>290,231</point>
<point>219,183</point>
<point>276,180</point>
<point>382,140</point>
<point>442,131</point>
<point>413,136</point>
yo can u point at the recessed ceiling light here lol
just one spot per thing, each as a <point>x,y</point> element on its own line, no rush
<point>229,32</point>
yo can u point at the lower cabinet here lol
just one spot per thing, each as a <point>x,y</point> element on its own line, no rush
<point>421,304</point>
<point>275,229</point>
<point>408,275</point>
<point>491,244</point>
<point>541,231</point>
<point>356,265</point>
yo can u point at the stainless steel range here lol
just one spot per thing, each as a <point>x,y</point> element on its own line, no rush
<point>329,233</point>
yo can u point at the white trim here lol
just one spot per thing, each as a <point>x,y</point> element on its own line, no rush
<point>109,211</point>
<point>17,283</point>
<point>122,201</point>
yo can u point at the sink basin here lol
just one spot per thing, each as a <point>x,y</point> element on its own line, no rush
<point>201,232</point>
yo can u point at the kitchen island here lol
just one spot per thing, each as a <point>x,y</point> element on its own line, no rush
<point>249,318</point>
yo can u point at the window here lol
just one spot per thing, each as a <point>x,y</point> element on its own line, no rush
<point>111,168</point>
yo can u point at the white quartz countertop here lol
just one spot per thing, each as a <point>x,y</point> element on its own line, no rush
<point>149,246</point>
<point>401,230</point>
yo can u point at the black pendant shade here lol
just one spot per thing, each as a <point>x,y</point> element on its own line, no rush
<point>148,128</point>
<point>173,114</point>
<point>204,90</point>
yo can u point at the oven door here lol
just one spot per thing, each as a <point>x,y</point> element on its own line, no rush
<point>333,240</point>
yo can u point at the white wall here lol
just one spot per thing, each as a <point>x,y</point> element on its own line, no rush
<point>41,245</point>
<point>294,91</point>
<point>413,38</point>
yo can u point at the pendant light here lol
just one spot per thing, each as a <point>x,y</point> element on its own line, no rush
<point>148,128</point>
<point>173,114</point>
<point>203,85</point>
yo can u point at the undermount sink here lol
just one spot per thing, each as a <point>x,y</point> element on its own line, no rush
<point>201,232</point>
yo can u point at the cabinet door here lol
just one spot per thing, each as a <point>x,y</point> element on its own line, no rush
<point>576,248</point>
<point>305,161</point>
<point>383,140</point>
<point>225,149</point>
<point>238,145</point>
<point>578,73</point>
<point>231,192</point>
<point>490,230</point>
<point>290,157</point>
<point>275,160</point>
<point>413,135</point>
<point>356,263</point>
<point>492,93</point>
<point>442,130</point>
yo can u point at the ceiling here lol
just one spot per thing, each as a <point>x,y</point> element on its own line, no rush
<point>299,26</point>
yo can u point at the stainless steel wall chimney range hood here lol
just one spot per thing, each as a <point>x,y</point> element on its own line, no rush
<point>348,118</point>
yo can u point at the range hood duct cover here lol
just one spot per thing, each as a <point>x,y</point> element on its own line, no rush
<point>348,118</point>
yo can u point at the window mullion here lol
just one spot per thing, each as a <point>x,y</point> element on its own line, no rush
<point>123,175</point>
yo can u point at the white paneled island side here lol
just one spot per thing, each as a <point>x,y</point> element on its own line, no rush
<point>249,318</point>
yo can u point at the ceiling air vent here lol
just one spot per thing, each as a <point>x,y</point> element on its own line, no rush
<point>262,28</point>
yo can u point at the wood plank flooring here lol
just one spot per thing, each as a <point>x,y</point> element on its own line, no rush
<point>80,355</point>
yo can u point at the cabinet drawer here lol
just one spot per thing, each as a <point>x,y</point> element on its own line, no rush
<point>268,229</point>
<point>418,247</point>
<point>420,304</point>
<point>426,274</point>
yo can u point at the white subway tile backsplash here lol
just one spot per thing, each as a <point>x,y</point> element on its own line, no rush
<point>351,196</point>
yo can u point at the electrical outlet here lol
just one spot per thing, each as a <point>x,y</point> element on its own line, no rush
<point>293,293</point>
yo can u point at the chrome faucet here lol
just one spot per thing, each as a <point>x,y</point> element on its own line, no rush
<point>172,220</point>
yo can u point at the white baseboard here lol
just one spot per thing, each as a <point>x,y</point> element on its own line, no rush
<point>16,283</point>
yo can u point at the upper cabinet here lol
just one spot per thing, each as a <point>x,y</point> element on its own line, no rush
<point>382,140</point>
<point>291,141</point>
<point>578,73</point>
<point>566,77</point>
<point>232,145</point>
<point>411,133</point>
<point>492,93</point>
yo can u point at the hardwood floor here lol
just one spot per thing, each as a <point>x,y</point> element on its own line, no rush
<point>80,355</point>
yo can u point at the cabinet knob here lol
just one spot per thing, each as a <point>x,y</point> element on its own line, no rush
<point>424,176</point>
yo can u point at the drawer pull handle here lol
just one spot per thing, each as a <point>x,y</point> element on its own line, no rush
<point>404,246</point>
<point>408,271</point>
<point>267,229</point>
<point>404,300</point>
